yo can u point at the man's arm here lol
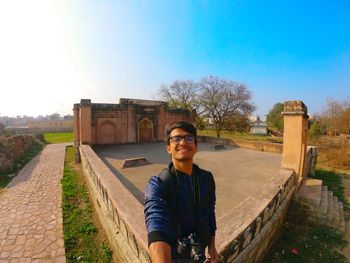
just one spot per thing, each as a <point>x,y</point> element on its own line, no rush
<point>213,254</point>
<point>160,252</point>
<point>157,220</point>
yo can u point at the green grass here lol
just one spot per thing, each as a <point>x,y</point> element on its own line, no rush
<point>28,155</point>
<point>301,241</point>
<point>81,235</point>
<point>58,137</point>
<point>240,135</point>
<point>314,243</point>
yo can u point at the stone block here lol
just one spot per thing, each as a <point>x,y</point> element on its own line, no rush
<point>132,162</point>
<point>310,192</point>
<point>219,147</point>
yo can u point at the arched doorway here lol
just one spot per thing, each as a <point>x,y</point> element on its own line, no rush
<point>107,134</point>
<point>145,131</point>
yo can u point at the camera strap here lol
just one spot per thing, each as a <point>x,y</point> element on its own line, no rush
<point>196,189</point>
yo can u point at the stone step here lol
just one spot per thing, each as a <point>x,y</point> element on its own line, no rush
<point>323,208</point>
<point>330,210</point>
<point>336,215</point>
<point>310,192</point>
<point>342,217</point>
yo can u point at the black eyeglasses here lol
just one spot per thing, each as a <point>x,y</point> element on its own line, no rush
<point>178,138</point>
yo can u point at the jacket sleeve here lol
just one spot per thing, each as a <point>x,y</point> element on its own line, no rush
<point>156,211</point>
<point>212,202</point>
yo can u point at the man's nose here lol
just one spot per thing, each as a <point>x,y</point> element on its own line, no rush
<point>183,141</point>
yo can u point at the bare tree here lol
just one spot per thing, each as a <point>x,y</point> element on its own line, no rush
<point>180,94</point>
<point>334,116</point>
<point>223,100</point>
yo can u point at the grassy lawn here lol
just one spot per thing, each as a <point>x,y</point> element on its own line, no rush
<point>58,137</point>
<point>84,239</point>
<point>240,135</point>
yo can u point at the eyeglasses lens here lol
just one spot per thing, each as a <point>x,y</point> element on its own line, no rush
<point>177,139</point>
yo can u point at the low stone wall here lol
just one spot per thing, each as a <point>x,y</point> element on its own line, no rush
<point>311,160</point>
<point>39,130</point>
<point>244,234</point>
<point>12,149</point>
<point>251,239</point>
<point>248,144</point>
<point>120,213</point>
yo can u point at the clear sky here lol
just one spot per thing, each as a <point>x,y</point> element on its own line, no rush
<point>54,53</point>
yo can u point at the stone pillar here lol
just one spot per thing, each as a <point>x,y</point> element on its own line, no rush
<point>295,137</point>
<point>85,122</point>
<point>132,126</point>
<point>76,126</point>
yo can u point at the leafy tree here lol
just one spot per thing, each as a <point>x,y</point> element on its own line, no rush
<point>54,116</point>
<point>274,118</point>
<point>223,100</point>
<point>316,129</point>
<point>237,122</point>
<point>200,123</point>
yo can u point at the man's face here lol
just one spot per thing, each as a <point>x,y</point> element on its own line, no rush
<point>183,150</point>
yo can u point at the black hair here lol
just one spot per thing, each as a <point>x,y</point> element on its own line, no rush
<point>186,126</point>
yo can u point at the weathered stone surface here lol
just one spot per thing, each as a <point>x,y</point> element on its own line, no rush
<point>29,227</point>
<point>12,148</point>
<point>132,162</point>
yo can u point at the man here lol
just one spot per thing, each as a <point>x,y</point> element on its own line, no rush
<point>180,204</point>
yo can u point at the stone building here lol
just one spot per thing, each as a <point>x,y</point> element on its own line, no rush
<point>130,121</point>
<point>258,128</point>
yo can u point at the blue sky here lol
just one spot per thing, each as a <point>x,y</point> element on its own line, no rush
<point>58,52</point>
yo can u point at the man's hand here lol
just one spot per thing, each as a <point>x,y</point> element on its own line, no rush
<point>160,252</point>
<point>213,254</point>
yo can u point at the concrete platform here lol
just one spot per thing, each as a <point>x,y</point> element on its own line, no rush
<point>239,173</point>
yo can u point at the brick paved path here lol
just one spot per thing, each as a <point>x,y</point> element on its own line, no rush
<point>31,228</point>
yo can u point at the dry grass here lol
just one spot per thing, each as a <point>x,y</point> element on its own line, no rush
<point>332,154</point>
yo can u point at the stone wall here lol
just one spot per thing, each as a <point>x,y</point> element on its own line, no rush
<point>12,149</point>
<point>120,213</point>
<point>241,236</point>
<point>39,130</point>
<point>130,121</point>
<point>251,240</point>
<point>248,144</point>
<point>311,160</point>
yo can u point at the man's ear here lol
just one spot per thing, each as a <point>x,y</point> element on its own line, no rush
<point>168,149</point>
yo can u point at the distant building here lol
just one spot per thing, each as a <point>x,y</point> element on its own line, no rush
<point>253,118</point>
<point>258,128</point>
<point>130,121</point>
<point>58,125</point>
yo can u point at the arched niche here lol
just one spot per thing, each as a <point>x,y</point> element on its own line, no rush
<point>107,133</point>
<point>145,130</point>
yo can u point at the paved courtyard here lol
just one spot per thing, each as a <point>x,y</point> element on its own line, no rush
<point>239,173</point>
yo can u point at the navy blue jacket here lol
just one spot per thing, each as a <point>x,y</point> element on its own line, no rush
<point>171,220</point>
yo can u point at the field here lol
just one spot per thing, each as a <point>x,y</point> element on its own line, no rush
<point>332,154</point>
<point>58,137</point>
<point>240,135</point>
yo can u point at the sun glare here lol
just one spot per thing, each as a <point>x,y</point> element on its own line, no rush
<point>34,60</point>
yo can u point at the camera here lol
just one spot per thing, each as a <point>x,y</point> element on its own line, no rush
<point>190,247</point>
